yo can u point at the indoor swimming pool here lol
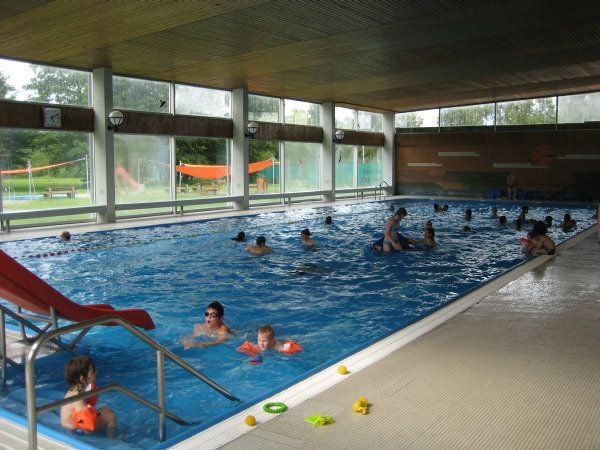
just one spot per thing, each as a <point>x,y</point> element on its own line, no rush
<point>334,300</point>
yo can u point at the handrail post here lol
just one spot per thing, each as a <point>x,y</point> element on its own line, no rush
<point>31,402</point>
<point>3,346</point>
<point>160,385</point>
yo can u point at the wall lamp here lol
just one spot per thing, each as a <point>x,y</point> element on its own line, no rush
<point>251,129</point>
<point>338,136</point>
<point>115,119</point>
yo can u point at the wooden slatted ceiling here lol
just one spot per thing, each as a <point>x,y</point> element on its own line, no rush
<point>389,54</point>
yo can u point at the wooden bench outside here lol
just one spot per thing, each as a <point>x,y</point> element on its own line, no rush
<point>69,192</point>
<point>212,188</point>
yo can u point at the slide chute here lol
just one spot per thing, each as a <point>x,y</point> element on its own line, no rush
<point>125,176</point>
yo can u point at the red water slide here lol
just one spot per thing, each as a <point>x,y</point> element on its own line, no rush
<point>23,288</point>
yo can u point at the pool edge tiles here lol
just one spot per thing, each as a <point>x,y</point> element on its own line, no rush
<point>233,427</point>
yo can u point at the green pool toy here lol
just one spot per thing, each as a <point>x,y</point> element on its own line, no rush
<point>274,407</point>
<point>318,419</point>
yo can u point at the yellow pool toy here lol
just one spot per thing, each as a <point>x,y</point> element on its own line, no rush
<point>250,421</point>
<point>361,405</point>
<point>342,370</point>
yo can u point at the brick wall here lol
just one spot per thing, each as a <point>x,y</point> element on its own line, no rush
<point>554,165</point>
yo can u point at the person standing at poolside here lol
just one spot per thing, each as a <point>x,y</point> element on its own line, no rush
<point>390,239</point>
<point>260,248</point>
<point>213,327</point>
<point>511,189</point>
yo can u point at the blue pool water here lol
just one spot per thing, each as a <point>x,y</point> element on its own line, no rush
<point>334,300</point>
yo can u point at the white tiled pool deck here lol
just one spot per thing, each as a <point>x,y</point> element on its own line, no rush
<point>515,364</point>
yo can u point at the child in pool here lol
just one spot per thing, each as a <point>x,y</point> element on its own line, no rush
<point>266,341</point>
<point>81,414</point>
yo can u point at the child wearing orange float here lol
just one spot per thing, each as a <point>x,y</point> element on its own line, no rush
<point>266,341</point>
<point>81,414</point>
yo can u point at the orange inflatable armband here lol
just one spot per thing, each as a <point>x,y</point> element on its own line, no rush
<point>290,347</point>
<point>524,242</point>
<point>248,348</point>
<point>85,419</point>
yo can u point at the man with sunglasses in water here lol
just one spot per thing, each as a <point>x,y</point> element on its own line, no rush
<point>213,328</point>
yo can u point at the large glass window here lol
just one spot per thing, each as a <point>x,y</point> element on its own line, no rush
<point>467,116</point>
<point>140,95</point>
<point>197,101</point>
<point>202,167</point>
<point>579,108</point>
<point>263,109</point>
<point>344,118</point>
<point>264,168</point>
<point>344,167</point>
<point>428,118</point>
<point>36,83</point>
<point>526,112</point>
<point>44,169</point>
<point>302,166</point>
<point>142,168</point>
<point>369,121</point>
<point>357,166</point>
<point>368,165</point>
<point>302,113</point>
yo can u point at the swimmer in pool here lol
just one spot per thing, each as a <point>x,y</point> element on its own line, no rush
<point>213,327</point>
<point>391,240</point>
<point>306,239</point>
<point>428,237</point>
<point>568,223</point>
<point>240,237</point>
<point>266,341</point>
<point>540,243</point>
<point>494,213</point>
<point>81,414</point>
<point>260,248</point>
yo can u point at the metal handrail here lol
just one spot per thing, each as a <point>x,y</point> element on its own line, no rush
<point>33,410</point>
<point>380,189</point>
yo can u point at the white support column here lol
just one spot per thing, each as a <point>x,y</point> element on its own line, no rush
<point>389,151</point>
<point>240,148</point>
<point>104,148</point>
<point>328,160</point>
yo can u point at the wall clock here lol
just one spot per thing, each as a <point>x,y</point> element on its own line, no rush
<point>52,118</point>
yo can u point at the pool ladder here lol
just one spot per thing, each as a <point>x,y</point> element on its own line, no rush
<point>381,190</point>
<point>33,410</point>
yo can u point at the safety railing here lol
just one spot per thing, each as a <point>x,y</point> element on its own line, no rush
<point>381,190</point>
<point>33,410</point>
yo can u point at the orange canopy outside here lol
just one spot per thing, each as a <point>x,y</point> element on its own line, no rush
<point>210,172</point>
<point>35,169</point>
